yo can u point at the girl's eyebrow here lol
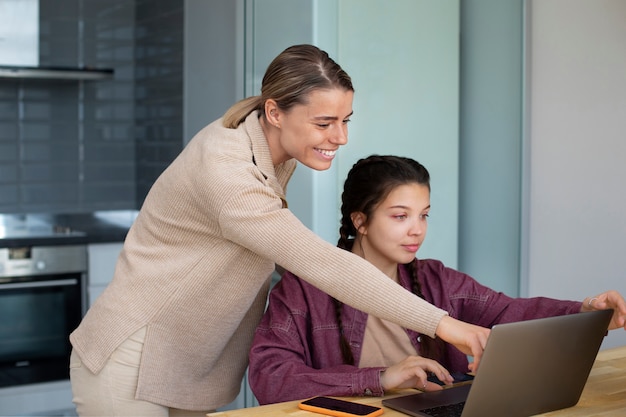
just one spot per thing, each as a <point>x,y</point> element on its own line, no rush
<point>407,207</point>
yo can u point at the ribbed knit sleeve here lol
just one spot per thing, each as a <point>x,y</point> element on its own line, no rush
<point>278,235</point>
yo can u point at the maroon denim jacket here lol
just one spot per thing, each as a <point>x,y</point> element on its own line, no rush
<point>295,353</point>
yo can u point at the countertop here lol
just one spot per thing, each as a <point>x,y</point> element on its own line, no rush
<point>44,229</point>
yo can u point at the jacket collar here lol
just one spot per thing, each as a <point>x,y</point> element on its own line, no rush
<point>277,176</point>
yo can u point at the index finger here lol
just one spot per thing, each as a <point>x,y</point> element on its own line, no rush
<point>477,347</point>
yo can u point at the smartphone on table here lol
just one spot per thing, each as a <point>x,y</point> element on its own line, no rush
<point>339,408</point>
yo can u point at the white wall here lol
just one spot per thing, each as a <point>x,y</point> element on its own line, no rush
<point>575,244</point>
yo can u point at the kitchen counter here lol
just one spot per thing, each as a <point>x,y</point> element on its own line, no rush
<point>44,229</point>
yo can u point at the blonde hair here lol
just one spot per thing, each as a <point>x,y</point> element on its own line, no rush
<point>289,79</point>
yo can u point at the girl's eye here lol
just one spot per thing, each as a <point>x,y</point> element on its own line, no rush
<point>400,216</point>
<point>424,216</point>
<point>346,121</point>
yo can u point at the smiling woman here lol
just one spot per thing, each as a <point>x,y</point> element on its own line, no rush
<point>312,134</point>
<point>174,327</point>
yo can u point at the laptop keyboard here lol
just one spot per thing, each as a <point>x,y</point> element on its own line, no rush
<point>449,410</point>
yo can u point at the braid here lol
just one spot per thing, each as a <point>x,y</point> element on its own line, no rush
<point>429,347</point>
<point>346,352</point>
<point>345,231</point>
<point>344,243</point>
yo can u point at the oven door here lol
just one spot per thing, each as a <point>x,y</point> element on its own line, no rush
<point>37,314</point>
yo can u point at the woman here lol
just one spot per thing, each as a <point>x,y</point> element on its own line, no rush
<point>308,343</point>
<point>170,335</point>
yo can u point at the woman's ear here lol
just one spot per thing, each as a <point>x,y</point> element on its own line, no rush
<point>358,221</point>
<point>272,113</point>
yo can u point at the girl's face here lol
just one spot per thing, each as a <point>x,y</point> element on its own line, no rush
<point>397,227</point>
<point>313,132</point>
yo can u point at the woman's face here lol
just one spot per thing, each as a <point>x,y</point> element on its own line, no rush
<point>397,227</point>
<point>313,132</point>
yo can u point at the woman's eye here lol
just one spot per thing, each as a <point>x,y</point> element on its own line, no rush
<point>400,216</point>
<point>346,121</point>
<point>424,216</point>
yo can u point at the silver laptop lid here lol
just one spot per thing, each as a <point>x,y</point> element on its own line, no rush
<point>535,366</point>
<point>528,367</point>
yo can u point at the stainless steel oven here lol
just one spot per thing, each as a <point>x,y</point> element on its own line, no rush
<point>42,300</point>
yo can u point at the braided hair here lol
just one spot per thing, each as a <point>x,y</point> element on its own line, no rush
<point>368,183</point>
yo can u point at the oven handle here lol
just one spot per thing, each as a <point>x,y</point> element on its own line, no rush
<point>53,283</point>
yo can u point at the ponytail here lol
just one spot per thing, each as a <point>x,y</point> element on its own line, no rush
<point>238,112</point>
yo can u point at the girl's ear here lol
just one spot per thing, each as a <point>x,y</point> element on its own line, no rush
<point>358,220</point>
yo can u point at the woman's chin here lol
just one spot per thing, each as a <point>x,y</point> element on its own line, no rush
<point>318,165</point>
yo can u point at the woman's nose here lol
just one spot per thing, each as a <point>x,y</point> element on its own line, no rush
<point>341,136</point>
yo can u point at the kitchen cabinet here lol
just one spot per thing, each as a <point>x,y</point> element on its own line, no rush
<point>101,265</point>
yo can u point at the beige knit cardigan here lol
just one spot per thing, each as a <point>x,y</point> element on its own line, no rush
<point>195,270</point>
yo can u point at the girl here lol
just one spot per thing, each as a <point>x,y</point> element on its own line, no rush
<point>309,343</point>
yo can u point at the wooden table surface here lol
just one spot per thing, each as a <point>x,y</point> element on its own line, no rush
<point>604,395</point>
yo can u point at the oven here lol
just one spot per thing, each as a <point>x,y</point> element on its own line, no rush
<point>42,300</point>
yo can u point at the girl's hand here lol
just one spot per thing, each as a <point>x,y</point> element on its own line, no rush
<point>412,372</point>
<point>608,300</point>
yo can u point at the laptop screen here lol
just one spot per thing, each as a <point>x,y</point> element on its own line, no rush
<point>528,367</point>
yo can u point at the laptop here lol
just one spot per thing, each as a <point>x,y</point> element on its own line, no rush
<point>528,367</point>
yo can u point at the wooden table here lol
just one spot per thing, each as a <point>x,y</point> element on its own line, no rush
<point>604,395</point>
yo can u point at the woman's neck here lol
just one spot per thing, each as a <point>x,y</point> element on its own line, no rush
<point>272,135</point>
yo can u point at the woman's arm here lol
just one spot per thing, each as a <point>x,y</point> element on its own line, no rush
<point>251,215</point>
<point>278,235</point>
